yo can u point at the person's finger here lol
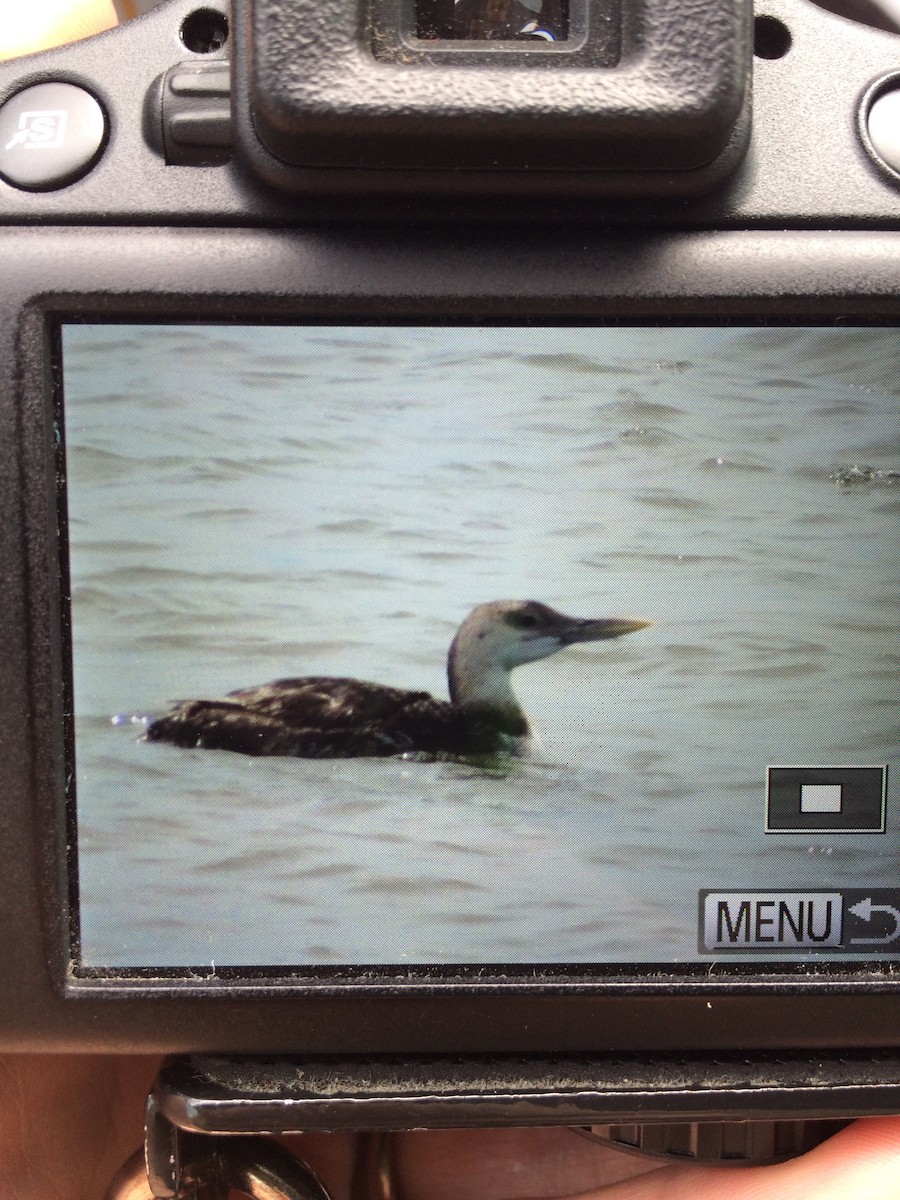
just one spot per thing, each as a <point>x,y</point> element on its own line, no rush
<point>26,28</point>
<point>862,1162</point>
<point>67,1123</point>
<point>496,1164</point>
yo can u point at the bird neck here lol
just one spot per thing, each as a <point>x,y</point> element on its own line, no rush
<point>482,686</point>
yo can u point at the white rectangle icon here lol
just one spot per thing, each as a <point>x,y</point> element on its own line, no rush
<point>821,798</point>
<point>753,921</point>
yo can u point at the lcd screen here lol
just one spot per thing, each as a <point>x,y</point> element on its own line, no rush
<point>708,776</point>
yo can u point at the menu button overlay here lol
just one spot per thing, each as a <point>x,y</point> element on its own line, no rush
<point>752,921</point>
<point>843,920</point>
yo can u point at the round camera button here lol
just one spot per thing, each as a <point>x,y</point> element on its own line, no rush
<point>50,135</point>
<point>884,128</point>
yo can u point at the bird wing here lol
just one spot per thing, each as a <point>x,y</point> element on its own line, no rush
<point>329,718</point>
<point>322,702</point>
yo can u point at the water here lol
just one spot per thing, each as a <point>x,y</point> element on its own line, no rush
<point>247,504</point>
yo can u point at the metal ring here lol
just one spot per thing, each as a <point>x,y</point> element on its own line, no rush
<point>374,1174</point>
<point>257,1167</point>
<point>264,1170</point>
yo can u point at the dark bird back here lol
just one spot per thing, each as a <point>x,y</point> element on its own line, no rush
<point>317,717</point>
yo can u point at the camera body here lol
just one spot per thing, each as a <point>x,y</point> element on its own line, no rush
<point>641,117</point>
<point>369,167</point>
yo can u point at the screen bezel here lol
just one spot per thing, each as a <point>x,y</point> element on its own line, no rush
<point>254,276</point>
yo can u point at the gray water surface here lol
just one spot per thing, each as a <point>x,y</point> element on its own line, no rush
<point>248,504</point>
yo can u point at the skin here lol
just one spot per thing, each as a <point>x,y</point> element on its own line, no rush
<point>27,28</point>
<point>68,1122</point>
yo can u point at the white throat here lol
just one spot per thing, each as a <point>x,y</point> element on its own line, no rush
<point>478,674</point>
<point>482,685</point>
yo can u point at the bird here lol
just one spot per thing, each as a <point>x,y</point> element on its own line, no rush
<point>325,717</point>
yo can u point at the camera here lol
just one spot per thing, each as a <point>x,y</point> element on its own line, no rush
<point>352,350</point>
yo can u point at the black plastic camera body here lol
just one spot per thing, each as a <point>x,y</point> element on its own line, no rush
<point>384,163</point>
<point>680,115</point>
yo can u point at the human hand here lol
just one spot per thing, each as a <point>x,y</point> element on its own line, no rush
<point>27,28</point>
<point>862,1162</point>
<point>67,1123</point>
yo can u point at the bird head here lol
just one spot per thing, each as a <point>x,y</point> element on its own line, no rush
<point>504,634</point>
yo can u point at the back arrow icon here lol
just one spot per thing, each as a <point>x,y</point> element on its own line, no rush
<point>864,910</point>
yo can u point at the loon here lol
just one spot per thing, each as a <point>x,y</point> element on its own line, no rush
<point>321,717</point>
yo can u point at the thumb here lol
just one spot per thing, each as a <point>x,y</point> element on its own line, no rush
<point>30,27</point>
<point>862,1162</point>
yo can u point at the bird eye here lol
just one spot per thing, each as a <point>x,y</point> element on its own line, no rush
<point>520,620</point>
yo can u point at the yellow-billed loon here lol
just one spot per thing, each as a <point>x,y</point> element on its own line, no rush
<point>321,717</point>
